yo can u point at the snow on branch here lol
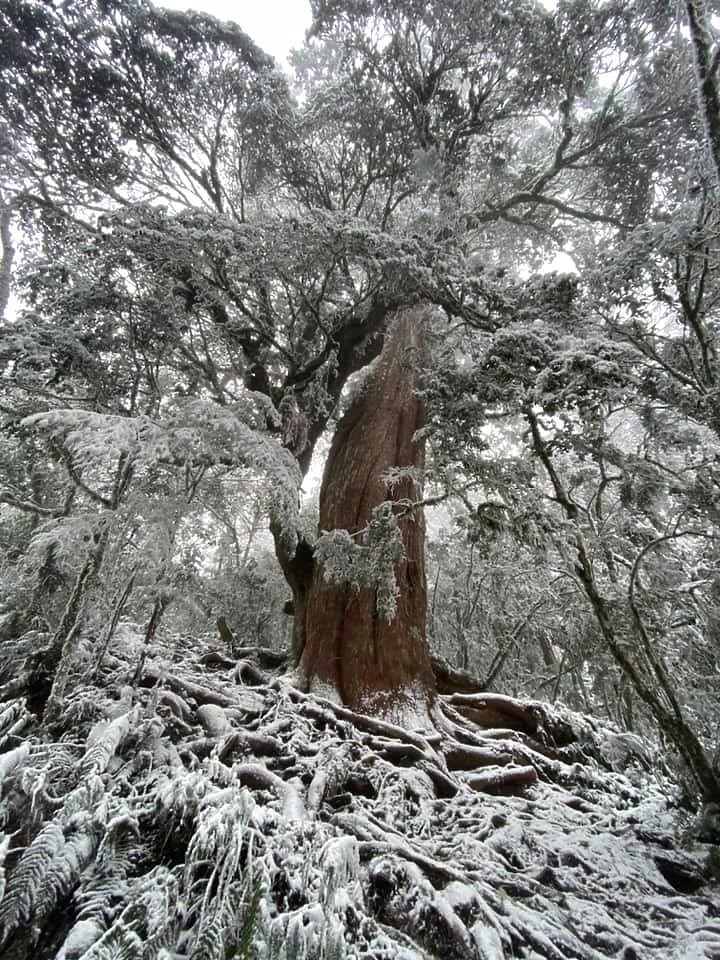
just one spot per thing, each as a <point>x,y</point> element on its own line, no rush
<point>195,432</point>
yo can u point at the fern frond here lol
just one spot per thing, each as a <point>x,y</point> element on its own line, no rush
<point>4,847</point>
<point>249,925</point>
<point>179,797</point>
<point>160,944</point>
<point>63,872</point>
<point>53,772</point>
<point>210,942</point>
<point>60,760</point>
<point>158,894</point>
<point>14,717</point>
<point>12,759</point>
<point>88,796</point>
<point>104,740</point>
<point>26,880</point>
<point>152,913</point>
<point>118,943</point>
<point>120,851</point>
<point>222,822</point>
<point>333,941</point>
<point>101,897</point>
<point>47,872</point>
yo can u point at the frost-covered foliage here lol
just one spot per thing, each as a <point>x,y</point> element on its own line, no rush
<point>370,563</point>
<point>202,817</point>
<point>190,432</point>
<point>206,263</point>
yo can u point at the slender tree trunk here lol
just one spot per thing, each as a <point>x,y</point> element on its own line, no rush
<point>7,252</point>
<point>159,607</point>
<point>60,657</point>
<point>374,665</point>
<point>297,568</point>
<point>645,675</point>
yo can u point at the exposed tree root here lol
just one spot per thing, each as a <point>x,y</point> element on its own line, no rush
<point>499,779</point>
<point>529,717</point>
<point>334,833</point>
<point>451,679</point>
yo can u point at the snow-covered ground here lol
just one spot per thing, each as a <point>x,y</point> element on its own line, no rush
<point>219,812</point>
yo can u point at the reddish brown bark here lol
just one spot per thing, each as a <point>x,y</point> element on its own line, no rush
<point>375,665</point>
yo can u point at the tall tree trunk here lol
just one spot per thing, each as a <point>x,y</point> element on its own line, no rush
<point>707,62</point>
<point>375,665</point>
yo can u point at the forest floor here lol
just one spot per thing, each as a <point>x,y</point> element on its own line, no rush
<point>215,811</point>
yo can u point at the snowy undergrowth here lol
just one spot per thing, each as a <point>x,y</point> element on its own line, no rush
<point>218,812</point>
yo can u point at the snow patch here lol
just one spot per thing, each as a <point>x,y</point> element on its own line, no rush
<point>325,691</point>
<point>213,720</point>
<point>82,936</point>
<point>488,942</point>
<point>407,708</point>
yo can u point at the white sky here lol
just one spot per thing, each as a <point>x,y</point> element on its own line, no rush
<point>275,25</point>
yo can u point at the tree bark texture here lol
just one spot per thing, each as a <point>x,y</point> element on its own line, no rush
<point>706,69</point>
<point>376,666</point>
<point>7,253</point>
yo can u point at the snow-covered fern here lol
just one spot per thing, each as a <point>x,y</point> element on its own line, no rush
<point>14,717</point>
<point>104,740</point>
<point>26,881</point>
<point>118,943</point>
